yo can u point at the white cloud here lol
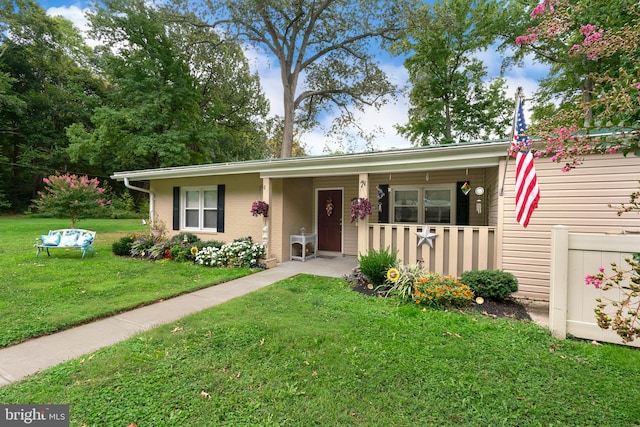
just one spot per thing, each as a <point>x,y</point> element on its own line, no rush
<point>77,16</point>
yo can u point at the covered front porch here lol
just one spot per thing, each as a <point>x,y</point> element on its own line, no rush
<point>456,196</point>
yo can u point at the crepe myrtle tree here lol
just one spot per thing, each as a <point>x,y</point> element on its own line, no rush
<point>602,55</point>
<point>71,196</point>
<point>603,52</point>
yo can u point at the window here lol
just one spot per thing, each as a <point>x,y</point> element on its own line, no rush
<point>437,206</point>
<point>200,208</point>
<point>434,204</point>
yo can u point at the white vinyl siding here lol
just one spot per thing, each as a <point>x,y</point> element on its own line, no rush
<point>578,199</point>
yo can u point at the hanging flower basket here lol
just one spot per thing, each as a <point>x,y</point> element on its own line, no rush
<point>360,208</point>
<point>260,207</point>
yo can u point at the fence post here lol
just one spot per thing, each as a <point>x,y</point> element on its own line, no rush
<point>559,277</point>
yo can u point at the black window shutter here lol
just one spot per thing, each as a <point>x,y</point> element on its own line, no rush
<point>221,208</point>
<point>462,205</point>
<point>176,208</point>
<point>383,203</point>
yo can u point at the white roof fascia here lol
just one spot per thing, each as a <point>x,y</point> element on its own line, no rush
<point>454,156</point>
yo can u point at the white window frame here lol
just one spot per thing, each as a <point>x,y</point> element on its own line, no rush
<point>421,202</point>
<point>201,208</point>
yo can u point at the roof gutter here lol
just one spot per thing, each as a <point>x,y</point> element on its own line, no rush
<point>152,197</point>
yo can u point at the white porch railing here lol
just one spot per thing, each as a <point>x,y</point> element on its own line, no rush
<point>573,256</point>
<point>455,250</point>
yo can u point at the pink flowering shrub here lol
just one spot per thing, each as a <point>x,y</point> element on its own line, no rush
<point>619,314</point>
<point>71,195</point>
<point>608,100</point>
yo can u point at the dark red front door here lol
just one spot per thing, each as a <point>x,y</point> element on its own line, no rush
<point>330,220</point>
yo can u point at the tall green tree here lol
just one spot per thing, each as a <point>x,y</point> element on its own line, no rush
<point>177,94</point>
<point>323,49</point>
<point>45,86</point>
<point>451,99</point>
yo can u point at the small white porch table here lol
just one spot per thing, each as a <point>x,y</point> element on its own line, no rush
<point>303,240</point>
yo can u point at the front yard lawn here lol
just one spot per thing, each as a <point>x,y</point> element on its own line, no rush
<point>47,294</point>
<point>309,351</point>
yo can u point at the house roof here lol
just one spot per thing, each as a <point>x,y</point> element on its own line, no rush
<point>431,158</point>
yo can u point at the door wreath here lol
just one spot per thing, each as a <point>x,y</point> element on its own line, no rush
<point>329,207</point>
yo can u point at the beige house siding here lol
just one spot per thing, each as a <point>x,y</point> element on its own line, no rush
<point>296,212</point>
<point>577,199</point>
<point>241,191</point>
<point>475,177</point>
<point>492,195</point>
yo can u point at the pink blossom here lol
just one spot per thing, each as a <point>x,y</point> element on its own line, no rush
<point>46,180</point>
<point>75,202</point>
<point>538,10</point>
<point>591,279</point>
<point>575,49</point>
<point>585,30</point>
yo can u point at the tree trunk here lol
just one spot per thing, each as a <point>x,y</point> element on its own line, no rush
<point>447,127</point>
<point>289,85</point>
<point>287,131</point>
<point>587,97</point>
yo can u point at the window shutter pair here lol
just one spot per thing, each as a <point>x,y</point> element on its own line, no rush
<point>176,208</point>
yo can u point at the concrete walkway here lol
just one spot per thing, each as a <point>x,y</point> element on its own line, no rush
<point>32,356</point>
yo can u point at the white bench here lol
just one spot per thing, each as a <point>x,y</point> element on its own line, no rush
<point>68,238</point>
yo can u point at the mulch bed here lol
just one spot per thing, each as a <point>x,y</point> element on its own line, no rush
<point>508,308</point>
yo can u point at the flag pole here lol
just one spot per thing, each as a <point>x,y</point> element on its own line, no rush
<point>513,132</point>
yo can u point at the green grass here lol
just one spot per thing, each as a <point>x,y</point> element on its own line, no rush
<point>309,351</point>
<point>47,294</point>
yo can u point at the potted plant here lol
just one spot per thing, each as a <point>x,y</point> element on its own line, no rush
<point>260,207</point>
<point>360,208</point>
<point>157,227</point>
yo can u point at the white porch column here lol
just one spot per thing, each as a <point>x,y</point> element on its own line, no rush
<point>266,227</point>
<point>363,224</point>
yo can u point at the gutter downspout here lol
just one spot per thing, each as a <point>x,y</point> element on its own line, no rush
<point>152,198</point>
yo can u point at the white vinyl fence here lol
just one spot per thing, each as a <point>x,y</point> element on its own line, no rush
<point>573,256</point>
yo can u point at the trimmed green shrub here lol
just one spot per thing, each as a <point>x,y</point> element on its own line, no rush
<point>495,284</point>
<point>375,264</point>
<point>122,247</point>
<point>182,253</point>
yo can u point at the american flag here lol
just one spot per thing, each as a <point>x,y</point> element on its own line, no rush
<point>527,191</point>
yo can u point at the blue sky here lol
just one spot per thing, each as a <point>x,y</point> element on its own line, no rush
<point>384,120</point>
